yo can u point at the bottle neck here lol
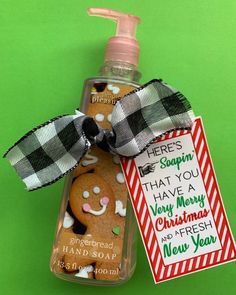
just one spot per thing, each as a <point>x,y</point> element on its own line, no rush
<point>120,70</point>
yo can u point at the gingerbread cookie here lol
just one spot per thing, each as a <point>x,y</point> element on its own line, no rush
<point>91,239</point>
<point>93,203</point>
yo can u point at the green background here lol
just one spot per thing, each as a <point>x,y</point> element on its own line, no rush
<point>47,49</point>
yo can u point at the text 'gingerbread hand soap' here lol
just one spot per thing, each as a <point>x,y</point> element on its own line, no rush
<point>95,239</point>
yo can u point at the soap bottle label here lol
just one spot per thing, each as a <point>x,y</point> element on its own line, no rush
<point>91,238</point>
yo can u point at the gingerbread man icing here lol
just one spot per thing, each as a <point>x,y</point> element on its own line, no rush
<point>93,203</point>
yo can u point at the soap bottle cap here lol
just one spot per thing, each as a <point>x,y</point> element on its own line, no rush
<point>123,46</point>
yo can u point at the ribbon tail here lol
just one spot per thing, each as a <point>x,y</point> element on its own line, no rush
<point>146,113</point>
<point>51,150</point>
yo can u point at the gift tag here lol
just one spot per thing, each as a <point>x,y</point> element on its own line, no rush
<point>177,202</point>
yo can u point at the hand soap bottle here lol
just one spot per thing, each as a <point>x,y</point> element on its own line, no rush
<point>95,240</point>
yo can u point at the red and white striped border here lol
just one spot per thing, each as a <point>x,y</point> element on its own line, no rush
<point>227,253</point>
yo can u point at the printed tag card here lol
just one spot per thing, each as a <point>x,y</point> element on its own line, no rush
<point>177,202</point>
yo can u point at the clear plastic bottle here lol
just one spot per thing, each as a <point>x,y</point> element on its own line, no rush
<point>95,240</point>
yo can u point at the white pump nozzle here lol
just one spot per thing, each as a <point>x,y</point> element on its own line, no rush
<point>124,46</point>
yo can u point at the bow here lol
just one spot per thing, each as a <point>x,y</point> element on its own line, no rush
<point>51,150</point>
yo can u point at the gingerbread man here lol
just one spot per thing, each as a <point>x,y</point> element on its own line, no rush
<point>93,203</point>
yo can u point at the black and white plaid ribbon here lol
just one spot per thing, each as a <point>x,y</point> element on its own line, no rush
<point>51,150</point>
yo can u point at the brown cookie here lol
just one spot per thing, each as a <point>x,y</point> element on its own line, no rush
<point>93,203</point>
<point>91,246</point>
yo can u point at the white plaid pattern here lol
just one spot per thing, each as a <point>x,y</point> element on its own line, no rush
<point>54,148</point>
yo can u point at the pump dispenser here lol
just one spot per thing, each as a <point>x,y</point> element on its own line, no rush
<point>123,46</point>
<point>95,240</point>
